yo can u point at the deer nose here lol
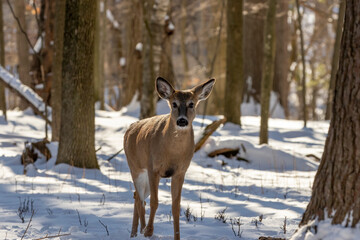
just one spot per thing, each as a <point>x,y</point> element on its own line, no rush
<point>182,122</point>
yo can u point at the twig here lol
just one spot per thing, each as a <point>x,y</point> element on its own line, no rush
<point>54,236</point>
<point>32,214</point>
<point>115,154</point>
<point>106,228</point>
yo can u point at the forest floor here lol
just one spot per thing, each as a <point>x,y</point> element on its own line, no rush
<point>265,197</point>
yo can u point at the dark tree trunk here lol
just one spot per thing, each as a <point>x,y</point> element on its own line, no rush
<point>22,48</point>
<point>336,189</point>
<point>234,62</point>
<point>2,63</point>
<point>268,69</point>
<point>282,56</point>
<point>335,59</point>
<point>57,69</point>
<point>77,131</point>
<point>154,20</point>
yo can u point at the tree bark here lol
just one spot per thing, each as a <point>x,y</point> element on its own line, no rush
<point>2,63</point>
<point>335,59</point>
<point>57,69</point>
<point>22,47</point>
<point>183,20</point>
<point>234,62</point>
<point>268,69</point>
<point>77,131</point>
<point>336,188</point>
<point>154,19</point>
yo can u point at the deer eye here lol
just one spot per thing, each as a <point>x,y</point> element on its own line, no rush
<point>174,105</point>
<point>191,105</point>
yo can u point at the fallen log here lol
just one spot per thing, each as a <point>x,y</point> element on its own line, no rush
<point>26,94</point>
<point>208,131</point>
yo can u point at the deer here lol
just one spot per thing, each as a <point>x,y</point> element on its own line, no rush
<point>162,147</point>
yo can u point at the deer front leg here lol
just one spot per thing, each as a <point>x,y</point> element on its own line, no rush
<point>154,202</point>
<point>176,186</point>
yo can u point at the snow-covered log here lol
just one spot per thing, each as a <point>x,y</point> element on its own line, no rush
<point>25,93</point>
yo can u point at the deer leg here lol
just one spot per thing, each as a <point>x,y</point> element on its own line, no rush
<point>135,222</point>
<point>154,202</point>
<point>140,208</point>
<point>176,186</point>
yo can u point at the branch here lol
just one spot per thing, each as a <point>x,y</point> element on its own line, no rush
<point>32,214</point>
<point>54,236</point>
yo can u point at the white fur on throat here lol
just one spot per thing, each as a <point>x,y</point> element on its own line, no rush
<point>142,185</point>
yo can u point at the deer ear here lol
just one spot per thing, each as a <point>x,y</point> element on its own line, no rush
<point>203,91</point>
<point>164,88</point>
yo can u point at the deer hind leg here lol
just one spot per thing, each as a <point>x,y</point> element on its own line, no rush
<point>154,202</point>
<point>143,191</point>
<point>176,186</point>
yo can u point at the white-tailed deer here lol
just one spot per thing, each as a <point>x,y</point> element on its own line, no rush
<point>162,147</point>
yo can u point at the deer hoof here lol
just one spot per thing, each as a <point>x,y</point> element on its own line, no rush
<point>148,231</point>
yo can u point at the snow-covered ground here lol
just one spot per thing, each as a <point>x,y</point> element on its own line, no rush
<point>273,188</point>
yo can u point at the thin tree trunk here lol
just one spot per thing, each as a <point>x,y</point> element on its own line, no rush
<point>234,62</point>
<point>268,69</point>
<point>154,19</point>
<point>2,63</point>
<point>336,193</point>
<point>335,59</point>
<point>303,82</point>
<point>183,20</point>
<point>77,131</point>
<point>57,69</point>
<point>22,47</point>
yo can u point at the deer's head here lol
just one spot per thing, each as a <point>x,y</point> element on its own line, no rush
<point>183,103</point>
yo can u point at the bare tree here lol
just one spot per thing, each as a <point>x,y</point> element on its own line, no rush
<point>57,69</point>
<point>234,61</point>
<point>2,63</point>
<point>335,59</point>
<point>335,190</point>
<point>268,69</point>
<point>154,20</point>
<point>77,131</point>
<point>22,47</point>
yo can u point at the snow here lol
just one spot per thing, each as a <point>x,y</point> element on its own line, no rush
<point>139,46</point>
<point>122,61</point>
<point>112,19</point>
<point>24,90</point>
<point>275,184</point>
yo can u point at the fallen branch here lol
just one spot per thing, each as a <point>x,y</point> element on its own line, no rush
<point>208,131</point>
<point>316,158</point>
<point>54,236</point>
<point>115,154</point>
<point>32,214</point>
<point>227,152</point>
<point>26,94</point>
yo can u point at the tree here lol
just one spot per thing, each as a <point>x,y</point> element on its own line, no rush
<point>335,59</point>
<point>154,20</point>
<point>335,191</point>
<point>57,69</point>
<point>22,47</point>
<point>234,62</point>
<point>2,63</point>
<point>77,130</point>
<point>268,69</point>
<point>303,81</point>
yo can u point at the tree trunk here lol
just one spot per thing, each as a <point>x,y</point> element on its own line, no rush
<point>99,53</point>
<point>2,63</point>
<point>154,19</point>
<point>77,131</point>
<point>133,67</point>
<point>303,82</point>
<point>234,62</point>
<point>282,56</point>
<point>268,69</point>
<point>57,69</point>
<point>335,59</point>
<point>254,22</point>
<point>183,20</point>
<point>22,47</point>
<point>336,192</point>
